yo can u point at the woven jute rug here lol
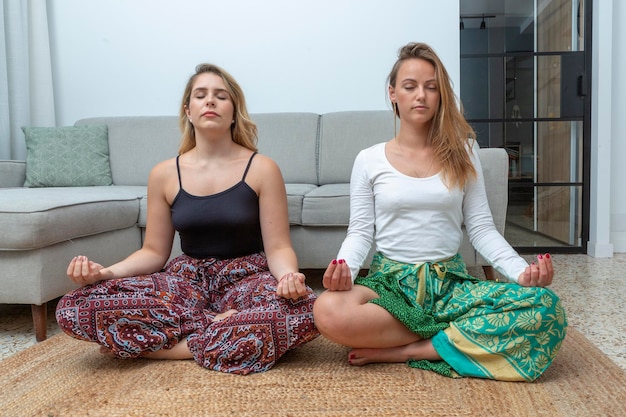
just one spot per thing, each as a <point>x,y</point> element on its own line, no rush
<point>65,377</point>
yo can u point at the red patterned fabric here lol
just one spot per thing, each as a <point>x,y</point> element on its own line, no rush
<point>134,316</point>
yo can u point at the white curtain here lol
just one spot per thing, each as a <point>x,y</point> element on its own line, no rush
<point>26,93</point>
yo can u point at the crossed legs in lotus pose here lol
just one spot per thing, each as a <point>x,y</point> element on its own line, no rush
<point>347,318</point>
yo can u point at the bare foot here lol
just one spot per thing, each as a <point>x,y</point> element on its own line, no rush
<point>179,351</point>
<point>422,349</point>
<point>360,357</point>
<point>224,315</point>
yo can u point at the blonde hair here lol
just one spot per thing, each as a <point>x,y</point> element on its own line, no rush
<point>449,131</point>
<point>243,130</point>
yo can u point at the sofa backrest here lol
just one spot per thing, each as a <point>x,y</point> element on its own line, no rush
<point>12,173</point>
<point>137,143</point>
<point>290,139</point>
<point>343,135</point>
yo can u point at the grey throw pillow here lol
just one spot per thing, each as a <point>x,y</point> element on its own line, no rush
<point>69,156</point>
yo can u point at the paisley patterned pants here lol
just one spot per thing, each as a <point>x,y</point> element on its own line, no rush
<point>135,316</point>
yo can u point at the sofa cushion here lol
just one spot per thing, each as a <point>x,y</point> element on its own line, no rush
<point>32,218</point>
<point>343,135</point>
<point>68,156</point>
<point>141,193</point>
<point>327,205</point>
<point>290,139</point>
<point>295,196</point>
<point>138,143</point>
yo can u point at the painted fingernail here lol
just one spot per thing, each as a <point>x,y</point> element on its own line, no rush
<point>334,262</point>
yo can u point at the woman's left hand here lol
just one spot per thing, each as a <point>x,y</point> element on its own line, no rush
<point>538,274</point>
<point>291,285</point>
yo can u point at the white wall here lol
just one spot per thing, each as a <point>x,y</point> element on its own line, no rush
<point>618,130</point>
<point>120,57</point>
<point>599,244</point>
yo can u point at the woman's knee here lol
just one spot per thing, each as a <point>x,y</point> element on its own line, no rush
<point>329,314</point>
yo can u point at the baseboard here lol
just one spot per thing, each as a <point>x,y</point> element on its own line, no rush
<point>600,250</point>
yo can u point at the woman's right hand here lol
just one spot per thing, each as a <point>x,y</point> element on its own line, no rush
<point>85,272</point>
<point>337,276</point>
<point>538,274</point>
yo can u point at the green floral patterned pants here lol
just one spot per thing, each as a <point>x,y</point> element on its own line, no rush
<point>479,328</point>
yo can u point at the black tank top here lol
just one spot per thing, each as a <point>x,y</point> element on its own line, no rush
<point>222,225</point>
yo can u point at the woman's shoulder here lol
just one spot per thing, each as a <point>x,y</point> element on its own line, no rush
<point>263,167</point>
<point>372,152</point>
<point>374,149</point>
<point>162,177</point>
<point>164,167</point>
<point>264,174</point>
<point>263,161</point>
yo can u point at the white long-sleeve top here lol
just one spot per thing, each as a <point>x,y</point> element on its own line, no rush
<point>414,220</point>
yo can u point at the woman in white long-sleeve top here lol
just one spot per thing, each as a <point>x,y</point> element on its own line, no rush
<point>409,197</point>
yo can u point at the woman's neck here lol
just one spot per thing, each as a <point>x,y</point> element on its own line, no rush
<point>414,137</point>
<point>214,142</point>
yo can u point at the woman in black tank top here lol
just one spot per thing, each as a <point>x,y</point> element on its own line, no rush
<point>230,300</point>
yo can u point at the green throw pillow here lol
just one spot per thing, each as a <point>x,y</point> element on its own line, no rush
<point>70,156</point>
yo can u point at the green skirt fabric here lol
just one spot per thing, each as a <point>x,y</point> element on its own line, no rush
<point>479,328</point>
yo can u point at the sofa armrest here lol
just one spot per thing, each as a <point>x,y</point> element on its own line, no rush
<point>12,173</point>
<point>495,164</point>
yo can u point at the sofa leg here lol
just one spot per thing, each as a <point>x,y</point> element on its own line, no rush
<point>40,320</point>
<point>490,274</point>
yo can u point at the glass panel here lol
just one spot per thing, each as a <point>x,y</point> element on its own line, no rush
<point>520,145</point>
<point>482,81</point>
<point>560,25</point>
<point>519,20</point>
<point>519,87</point>
<point>552,219</point>
<point>520,236</point>
<point>473,40</point>
<point>489,135</point>
<point>520,211</point>
<point>497,27</point>
<point>559,147</point>
<point>559,79</point>
<point>548,86</point>
<point>556,155</point>
<point>544,215</point>
<point>558,213</point>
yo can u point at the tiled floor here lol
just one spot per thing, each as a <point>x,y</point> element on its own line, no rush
<point>593,292</point>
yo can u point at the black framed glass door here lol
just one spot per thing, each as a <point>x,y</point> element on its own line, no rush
<point>525,66</point>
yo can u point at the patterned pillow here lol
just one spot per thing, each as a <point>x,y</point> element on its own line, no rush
<point>70,156</point>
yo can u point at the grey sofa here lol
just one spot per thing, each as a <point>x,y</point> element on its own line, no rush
<point>43,228</point>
